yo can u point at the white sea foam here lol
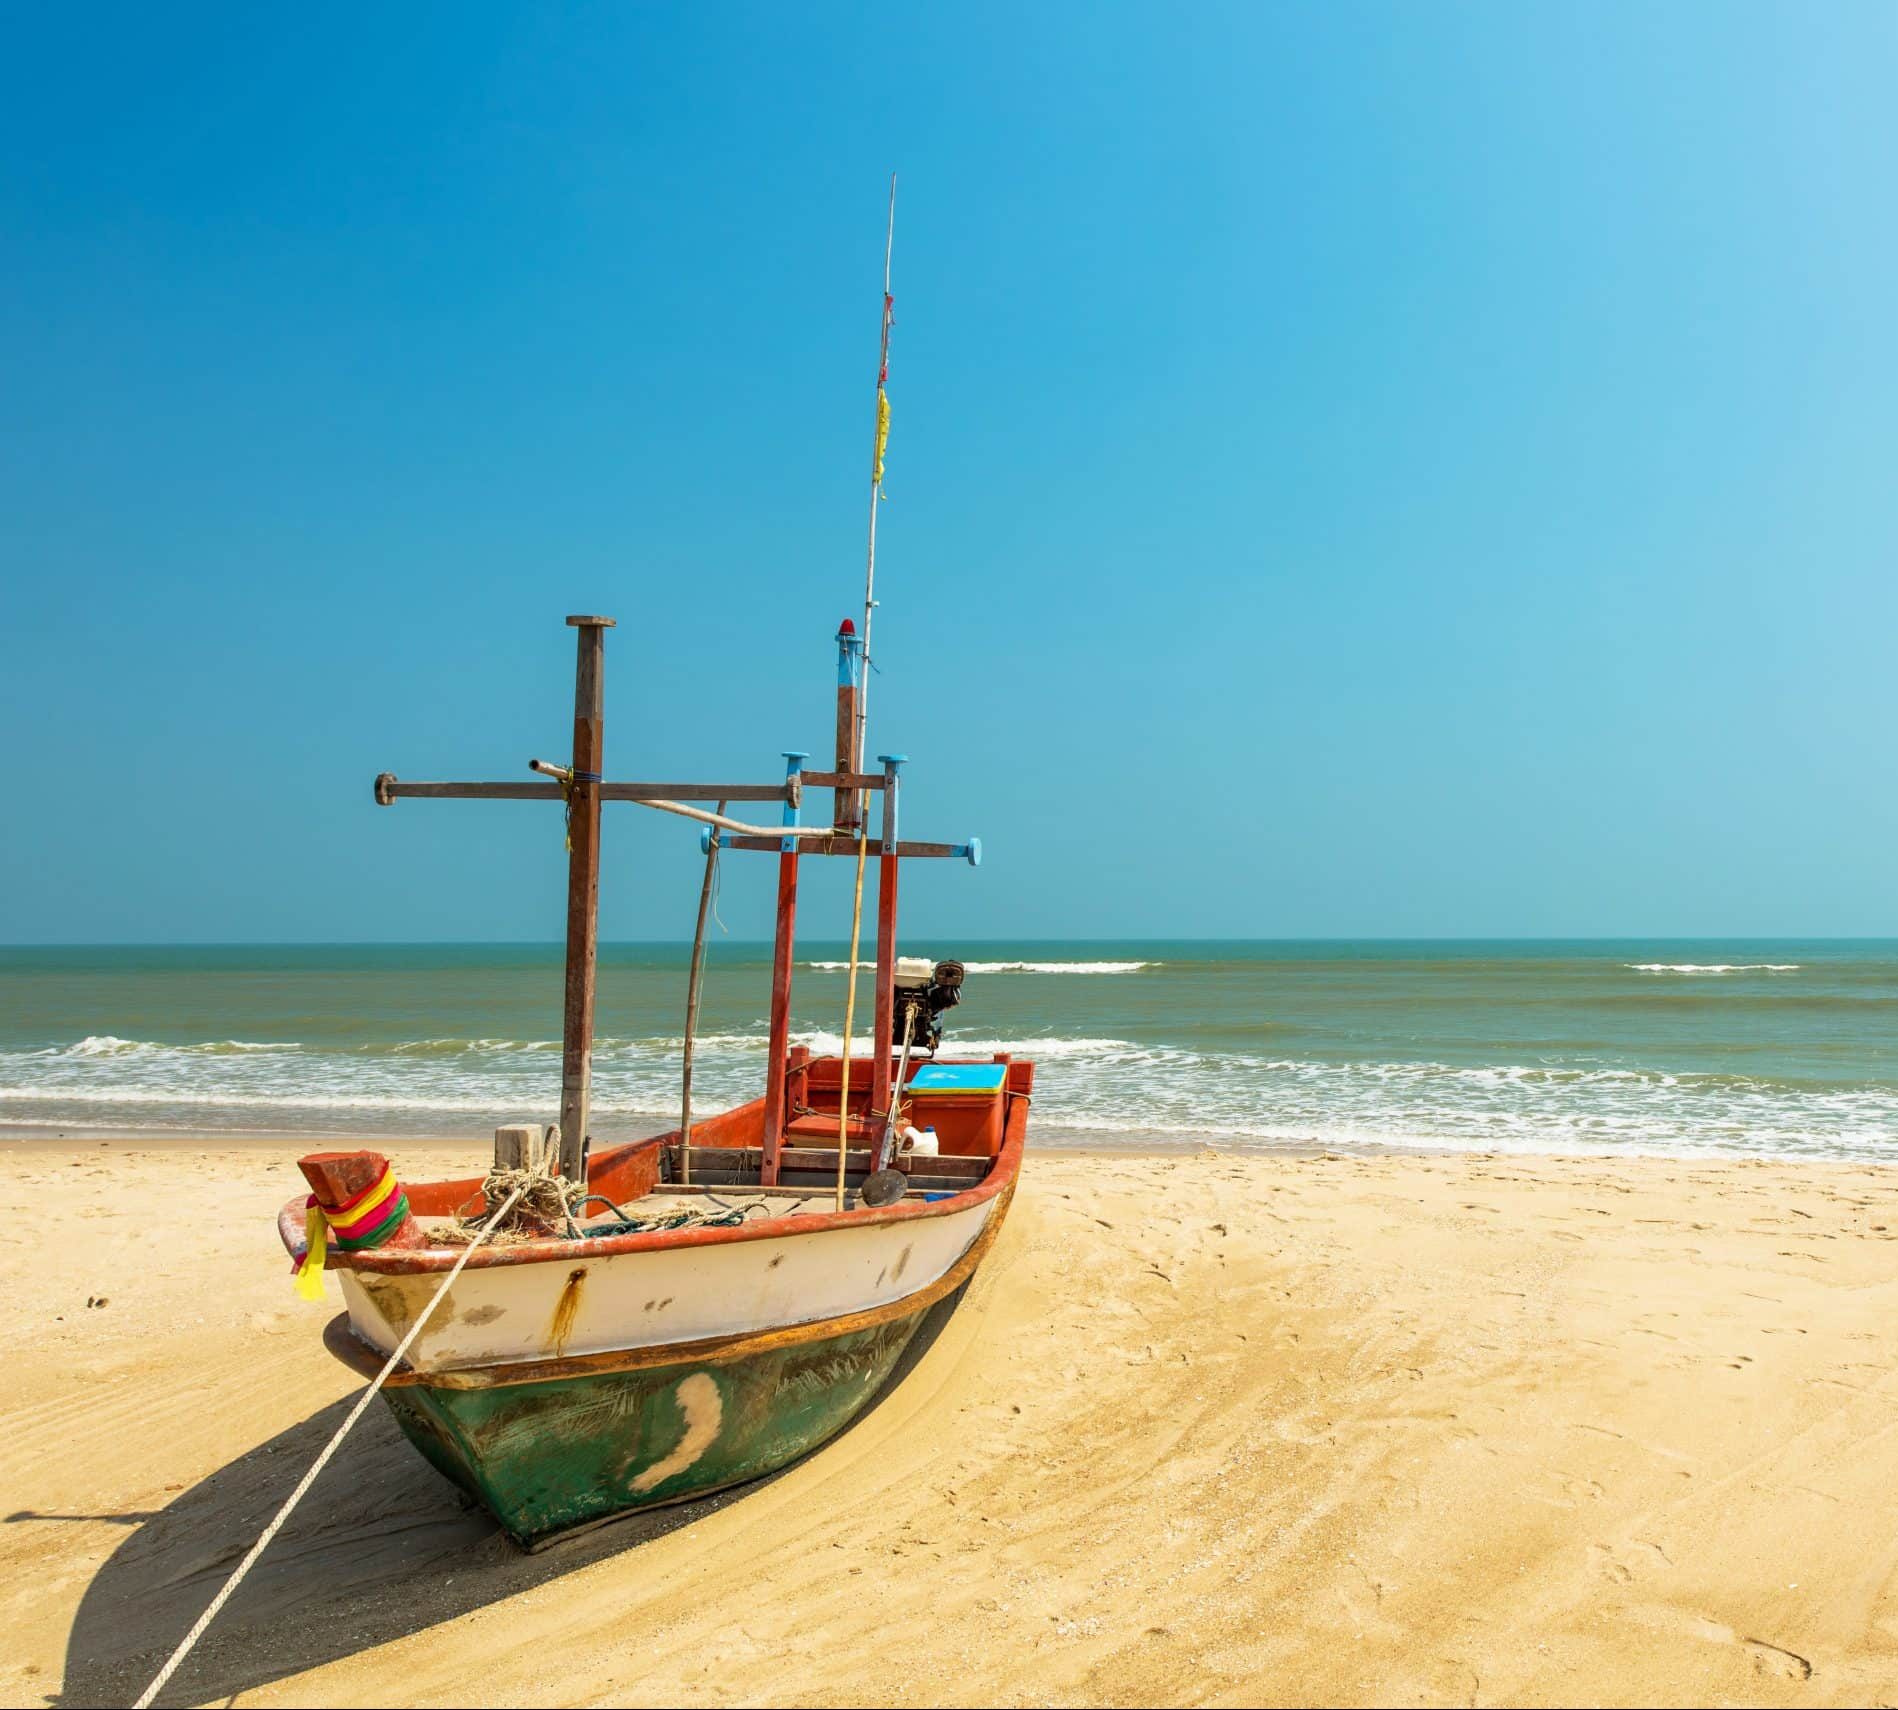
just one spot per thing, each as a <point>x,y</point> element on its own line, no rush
<point>1713,967</point>
<point>109,1045</point>
<point>461,1047</point>
<point>1094,1082</point>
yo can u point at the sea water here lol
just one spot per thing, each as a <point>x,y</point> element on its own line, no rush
<point>1769,1048</point>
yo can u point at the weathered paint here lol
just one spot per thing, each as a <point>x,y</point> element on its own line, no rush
<point>566,1309</point>
<point>548,1457</point>
<point>345,1341</point>
<point>808,1271</point>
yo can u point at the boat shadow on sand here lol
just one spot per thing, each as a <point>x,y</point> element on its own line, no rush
<point>382,1547</point>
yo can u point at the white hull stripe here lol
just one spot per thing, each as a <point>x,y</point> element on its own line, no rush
<point>550,1310</point>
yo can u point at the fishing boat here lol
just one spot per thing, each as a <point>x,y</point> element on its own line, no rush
<point>718,1299</point>
<point>575,1334</point>
<point>570,1380</point>
<point>725,1296</point>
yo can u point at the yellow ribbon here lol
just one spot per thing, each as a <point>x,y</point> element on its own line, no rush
<point>316,1240</point>
<point>316,1233</point>
<point>883,437</point>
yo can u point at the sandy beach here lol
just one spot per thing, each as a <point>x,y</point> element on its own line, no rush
<point>1212,1428</point>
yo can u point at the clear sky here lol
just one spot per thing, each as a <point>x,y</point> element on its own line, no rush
<point>1357,470</point>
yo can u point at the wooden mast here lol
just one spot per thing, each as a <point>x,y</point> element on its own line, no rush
<point>848,803</point>
<point>583,891</point>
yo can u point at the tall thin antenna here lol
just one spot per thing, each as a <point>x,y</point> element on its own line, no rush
<point>876,472</point>
<point>863,719</point>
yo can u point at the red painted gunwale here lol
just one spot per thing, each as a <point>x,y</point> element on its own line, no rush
<point>440,1198</point>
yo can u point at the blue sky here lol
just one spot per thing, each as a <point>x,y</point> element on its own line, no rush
<point>1357,470</point>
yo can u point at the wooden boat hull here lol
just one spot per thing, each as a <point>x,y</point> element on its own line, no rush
<point>551,1457</point>
<point>553,1447</point>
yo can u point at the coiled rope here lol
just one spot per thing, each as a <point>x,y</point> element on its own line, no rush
<point>718,1216</point>
<point>309,1478</point>
<point>548,1203</point>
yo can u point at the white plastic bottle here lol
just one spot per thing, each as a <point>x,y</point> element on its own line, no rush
<point>921,1141</point>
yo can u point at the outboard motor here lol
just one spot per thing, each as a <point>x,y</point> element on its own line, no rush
<point>919,1005</point>
<point>915,1025</point>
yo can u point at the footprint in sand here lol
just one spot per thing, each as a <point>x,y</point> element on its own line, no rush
<point>1770,1662</point>
<point>1622,1564</point>
<point>1774,1663</point>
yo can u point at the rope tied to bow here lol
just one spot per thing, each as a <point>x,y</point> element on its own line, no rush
<point>322,1460</point>
<point>541,1202</point>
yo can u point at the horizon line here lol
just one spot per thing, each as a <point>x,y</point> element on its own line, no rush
<point>1133,939</point>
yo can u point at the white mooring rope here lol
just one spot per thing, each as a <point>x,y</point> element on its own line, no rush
<point>322,1460</point>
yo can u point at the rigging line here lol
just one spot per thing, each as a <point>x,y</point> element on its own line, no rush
<point>738,825</point>
<point>693,991</point>
<point>882,432</point>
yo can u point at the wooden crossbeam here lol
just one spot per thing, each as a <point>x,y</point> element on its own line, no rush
<point>580,789</point>
<point>391,789</point>
<point>844,780</point>
<point>969,852</point>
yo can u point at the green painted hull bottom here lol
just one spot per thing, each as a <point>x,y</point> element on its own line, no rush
<point>546,1458</point>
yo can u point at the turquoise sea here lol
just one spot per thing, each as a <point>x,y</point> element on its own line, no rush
<point>1748,1047</point>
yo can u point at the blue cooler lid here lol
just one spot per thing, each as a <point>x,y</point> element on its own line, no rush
<point>967,1078</point>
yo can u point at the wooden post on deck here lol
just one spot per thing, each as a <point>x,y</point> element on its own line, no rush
<point>880,1100</point>
<point>523,1146</point>
<point>583,892</point>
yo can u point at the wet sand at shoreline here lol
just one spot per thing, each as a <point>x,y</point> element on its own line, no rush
<point>1210,1428</point>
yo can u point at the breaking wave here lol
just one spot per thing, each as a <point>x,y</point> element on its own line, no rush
<point>109,1045</point>
<point>1713,967</point>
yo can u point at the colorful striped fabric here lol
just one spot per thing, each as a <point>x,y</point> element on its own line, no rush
<point>362,1221</point>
